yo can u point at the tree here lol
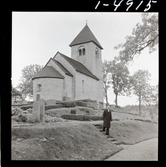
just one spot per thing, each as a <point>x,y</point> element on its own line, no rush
<point>144,35</point>
<point>106,79</point>
<point>26,84</point>
<point>117,74</point>
<point>141,86</point>
<point>152,98</point>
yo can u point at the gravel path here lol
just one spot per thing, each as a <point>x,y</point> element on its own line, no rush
<point>144,151</point>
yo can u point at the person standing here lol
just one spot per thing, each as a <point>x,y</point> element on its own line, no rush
<point>107,118</point>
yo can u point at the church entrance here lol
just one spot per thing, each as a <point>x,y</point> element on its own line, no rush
<point>37,97</point>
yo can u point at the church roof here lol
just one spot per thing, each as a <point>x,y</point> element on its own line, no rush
<point>84,36</point>
<point>48,72</point>
<point>78,66</point>
<point>63,68</point>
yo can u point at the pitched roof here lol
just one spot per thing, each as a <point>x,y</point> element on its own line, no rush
<point>84,36</point>
<point>63,68</point>
<point>79,67</point>
<point>48,72</point>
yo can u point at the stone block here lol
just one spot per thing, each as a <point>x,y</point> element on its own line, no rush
<point>42,109</point>
<point>36,110</point>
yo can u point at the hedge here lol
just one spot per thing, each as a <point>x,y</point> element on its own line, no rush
<point>81,117</point>
<point>26,107</point>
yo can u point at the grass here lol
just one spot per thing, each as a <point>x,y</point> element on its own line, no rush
<point>131,132</point>
<point>61,142</point>
<point>77,140</point>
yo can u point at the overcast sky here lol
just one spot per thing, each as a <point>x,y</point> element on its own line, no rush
<point>37,36</point>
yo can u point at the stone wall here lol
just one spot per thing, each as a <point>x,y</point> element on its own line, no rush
<point>51,88</point>
<point>68,80</point>
<point>90,87</point>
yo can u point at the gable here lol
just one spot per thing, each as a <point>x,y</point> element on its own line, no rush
<point>63,68</point>
<point>79,67</point>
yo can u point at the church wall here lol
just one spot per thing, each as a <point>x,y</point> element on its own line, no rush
<point>68,80</point>
<point>51,88</point>
<point>68,87</point>
<point>70,68</point>
<point>90,87</point>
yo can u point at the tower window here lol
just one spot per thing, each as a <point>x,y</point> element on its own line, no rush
<point>81,51</point>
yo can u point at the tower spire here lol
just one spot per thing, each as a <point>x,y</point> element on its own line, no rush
<point>86,22</point>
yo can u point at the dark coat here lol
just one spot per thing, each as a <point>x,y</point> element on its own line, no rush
<point>107,117</point>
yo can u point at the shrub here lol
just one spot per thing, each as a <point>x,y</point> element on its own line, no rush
<point>26,107</point>
<point>73,111</point>
<point>16,111</point>
<point>21,118</point>
<point>81,117</point>
<point>80,103</point>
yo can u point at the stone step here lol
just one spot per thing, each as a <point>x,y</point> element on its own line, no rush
<point>112,139</point>
<point>117,142</point>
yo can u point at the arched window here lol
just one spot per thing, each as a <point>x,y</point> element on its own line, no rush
<point>80,52</point>
<point>39,88</point>
<point>83,50</point>
<point>82,86</point>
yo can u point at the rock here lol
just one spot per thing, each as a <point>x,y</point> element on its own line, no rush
<point>44,139</point>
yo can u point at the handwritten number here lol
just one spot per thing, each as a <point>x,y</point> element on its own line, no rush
<point>97,4</point>
<point>118,4</point>
<point>148,6</point>
<point>138,5</point>
<point>130,3</point>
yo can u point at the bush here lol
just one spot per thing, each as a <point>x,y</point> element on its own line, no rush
<point>26,107</point>
<point>21,118</point>
<point>80,103</point>
<point>73,111</point>
<point>16,111</point>
<point>81,117</point>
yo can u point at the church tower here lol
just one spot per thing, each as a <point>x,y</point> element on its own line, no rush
<point>86,49</point>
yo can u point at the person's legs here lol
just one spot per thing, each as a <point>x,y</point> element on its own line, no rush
<point>103,129</point>
<point>107,131</point>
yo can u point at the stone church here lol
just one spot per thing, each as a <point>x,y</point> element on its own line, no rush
<point>77,77</point>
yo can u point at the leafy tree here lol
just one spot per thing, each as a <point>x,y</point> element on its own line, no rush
<point>144,35</point>
<point>152,98</point>
<point>26,84</point>
<point>106,79</point>
<point>141,86</point>
<point>117,74</point>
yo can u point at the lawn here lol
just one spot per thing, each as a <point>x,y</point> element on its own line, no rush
<point>131,131</point>
<point>76,140</point>
<point>60,141</point>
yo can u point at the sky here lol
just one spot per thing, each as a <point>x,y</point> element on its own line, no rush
<point>38,36</point>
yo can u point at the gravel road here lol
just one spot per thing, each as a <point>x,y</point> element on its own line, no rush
<point>144,151</point>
